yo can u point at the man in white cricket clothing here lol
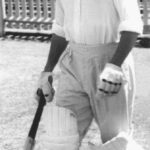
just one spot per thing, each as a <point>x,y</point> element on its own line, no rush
<point>92,39</point>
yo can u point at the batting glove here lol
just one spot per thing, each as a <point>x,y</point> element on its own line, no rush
<point>110,80</point>
<point>45,83</point>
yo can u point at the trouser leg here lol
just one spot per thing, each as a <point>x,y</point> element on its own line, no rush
<point>79,105</point>
<point>71,96</point>
<point>112,115</point>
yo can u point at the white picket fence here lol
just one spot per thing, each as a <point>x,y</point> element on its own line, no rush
<point>36,16</point>
<point>33,16</point>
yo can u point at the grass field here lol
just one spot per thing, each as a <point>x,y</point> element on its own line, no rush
<point>20,65</point>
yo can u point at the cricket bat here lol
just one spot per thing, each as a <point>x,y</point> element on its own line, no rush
<point>30,141</point>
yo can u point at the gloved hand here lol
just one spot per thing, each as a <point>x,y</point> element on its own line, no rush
<point>110,79</point>
<point>45,83</point>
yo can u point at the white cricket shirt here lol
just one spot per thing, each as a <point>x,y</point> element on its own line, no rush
<point>96,21</point>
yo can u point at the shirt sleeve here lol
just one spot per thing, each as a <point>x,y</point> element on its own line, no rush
<point>130,17</point>
<point>58,22</point>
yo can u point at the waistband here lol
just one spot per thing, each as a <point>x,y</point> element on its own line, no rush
<point>92,49</point>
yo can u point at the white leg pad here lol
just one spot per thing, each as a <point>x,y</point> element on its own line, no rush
<point>60,130</point>
<point>121,142</point>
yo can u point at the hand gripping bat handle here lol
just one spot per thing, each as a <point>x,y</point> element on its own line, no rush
<point>30,141</point>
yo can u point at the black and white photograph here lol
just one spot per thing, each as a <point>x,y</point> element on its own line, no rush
<point>74,74</point>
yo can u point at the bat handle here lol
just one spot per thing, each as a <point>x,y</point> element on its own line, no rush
<point>42,101</point>
<point>37,117</point>
<point>30,141</point>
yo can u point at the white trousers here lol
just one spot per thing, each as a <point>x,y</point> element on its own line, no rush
<point>77,94</point>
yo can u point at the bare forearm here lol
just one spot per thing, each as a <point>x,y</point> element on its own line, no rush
<point>58,45</point>
<point>126,43</point>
